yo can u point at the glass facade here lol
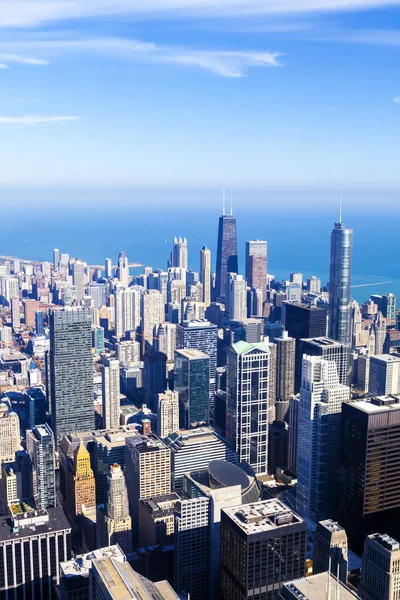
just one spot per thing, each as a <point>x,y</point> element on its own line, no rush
<point>227,260</point>
<point>339,283</point>
<point>192,376</point>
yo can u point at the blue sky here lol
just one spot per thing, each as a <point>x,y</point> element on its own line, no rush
<point>200,93</point>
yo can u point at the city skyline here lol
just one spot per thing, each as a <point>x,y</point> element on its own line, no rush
<point>253,93</point>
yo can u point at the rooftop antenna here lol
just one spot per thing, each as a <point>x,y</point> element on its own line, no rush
<point>328,583</point>
<point>223,202</point>
<point>337,592</point>
<point>340,208</point>
<point>231,201</point>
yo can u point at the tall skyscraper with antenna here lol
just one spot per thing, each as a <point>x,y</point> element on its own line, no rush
<point>227,260</point>
<point>339,282</point>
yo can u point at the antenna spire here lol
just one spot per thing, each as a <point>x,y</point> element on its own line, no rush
<point>231,201</point>
<point>340,208</point>
<point>223,202</point>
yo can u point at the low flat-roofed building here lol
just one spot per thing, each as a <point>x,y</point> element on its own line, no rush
<point>315,588</point>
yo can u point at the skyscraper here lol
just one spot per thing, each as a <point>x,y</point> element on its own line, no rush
<point>108,268</point>
<point>127,309</point>
<point>192,382</point>
<point>262,545</point>
<point>110,391</point>
<point>15,313</point>
<point>318,451</point>
<point>71,371</point>
<point>80,483</point>
<point>152,310</point>
<point>205,274</point>
<point>56,258</point>
<point>285,363</point>
<point>330,549</point>
<point>380,576</point>
<point>167,413</point>
<point>339,283</point>
<point>256,265</point>
<point>114,525</point>
<point>79,278</point>
<point>10,439</point>
<point>250,398</point>
<point>179,254</point>
<point>40,447</point>
<point>384,375</point>
<point>123,269</point>
<point>236,297</point>
<point>227,260</point>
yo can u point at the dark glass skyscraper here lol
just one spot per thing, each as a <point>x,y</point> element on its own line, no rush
<point>339,283</point>
<point>227,260</point>
<point>71,371</point>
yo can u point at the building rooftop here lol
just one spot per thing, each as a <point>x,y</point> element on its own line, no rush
<point>324,342</point>
<point>262,516</point>
<point>385,540</point>
<point>331,525</point>
<point>189,437</point>
<point>386,358</point>
<point>44,522</point>
<point>161,506</point>
<point>315,587</point>
<point>243,347</point>
<point>377,405</point>
<point>146,443</point>
<point>82,563</point>
<point>196,323</point>
<point>192,353</point>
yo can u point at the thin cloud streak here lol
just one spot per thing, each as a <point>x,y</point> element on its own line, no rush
<point>397,100</point>
<point>16,13</point>
<point>233,64</point>
<point>3,66</point>
<point>26,60</point>
<point>31,120</point>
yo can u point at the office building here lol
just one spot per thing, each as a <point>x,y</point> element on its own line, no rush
<point>114,524</point>
<point>317,587</point>
<point>201,335</point>
<point>318,451</point>
<point>314,285</point>
<point>79,278</point>
<point>384,375</point>
<point>329,350</point>
<point>294,403</point>
<point>80,483</point>
<point>285,366</point>
<point>110,391</point>
<point>32,545</point>
<point>263,545</point>
<point>256,265</point>
<point>71,371</point>
<point>148,472</point>
<point>379,331</point>
<point>98,340</point>
<point>227,260</point>
<point>205,274</point>
<point>380,574</point>
<point>10,439</point>
<point>15,313</point>
<point>156,520</point>
<point>192,543</point>
<point>127,310</point>
<point>330,550</point>
<point>39,322</point>
<point>167,413</point>
<point>128,351</point>
<point>369,486</point>
<point>250,390</point>
<point>304,321</point>
<point>108,269</point>
<point>179,254</point>
<point>56,259</point>
<point>152,311</point>
<point>236,297</point>
<point>192,382</point>
<point>166,340</point>
<point>155,377</point>
<point>98,294</point>
<point>30,308</point>
<point>123,269</point>
<point>386,304</point>
<point>41,449</point>
<point>193,450</point>
<point>339,283</point>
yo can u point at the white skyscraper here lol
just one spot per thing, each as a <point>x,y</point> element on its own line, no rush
<point>108,268</point>
<point>166,341</point>
<point>127,310</point>
<point>114,524</point>
<point>205,274</point>
<point>79,278</point>
<point>123,269</point>
<point>179,254</point>
<point>237,297</point>
<point>319,418</point>
<point>167,413</point>
<point>110,391</point>
<point>152,314</point>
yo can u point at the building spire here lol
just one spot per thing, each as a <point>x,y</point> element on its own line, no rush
<point>231,201</point>
<point>340,208</point>
<point>223,202</point>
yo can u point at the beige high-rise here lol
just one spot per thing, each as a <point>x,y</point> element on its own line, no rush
<point>380,571</point>
<point>9,433</point>
<point>167,413</point>
<point>205,274</point>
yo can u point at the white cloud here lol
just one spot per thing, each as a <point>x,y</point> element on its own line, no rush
<point>397,99</point>
<point>3,66</point>
<point>15,13</point>
<point>26,60</point>
<point>31,120</point>
<point>232,64</point>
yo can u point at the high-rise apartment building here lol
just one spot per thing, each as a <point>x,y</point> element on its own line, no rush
<point>314,285</point>
<point>56,259</point>
<point>205,274</point>
<point>293,433</point>
<point>71,371</point>
<point>318,450</point>
<point>113,523</point>
<point>250,398</point>
<point>110,391</point>
<point>330,549</point>
<point>15,313</point>
<point>262,546</point>
<point>380,573</point>
<point>127,310</point>
<point>166,340</point>
<point>192,546</point>
<point>98,294</point>
<point>339,283</point>
<point>148,471</point>
<point>108,269</point>
<point>41,449</point>
<point>30,308</point>
<point>152,310</point>
<point>193,450</point>
<point>179,254</point>
<point>201,335</point>
<point>329,350</point>
<point>256,265</point>
<point>285,365</point>
<point>384,375</point>
<point>10,439</point>
<point>236,297</point>
<point>192,382</point>
<point>123,269</point>
<point>227,260</point>
<point>167,413</point>
<point>79,278</point>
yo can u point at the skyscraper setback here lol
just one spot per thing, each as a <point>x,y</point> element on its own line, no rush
<point>339,283</point>
<point>227,260</point>
<point>71,370</point>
